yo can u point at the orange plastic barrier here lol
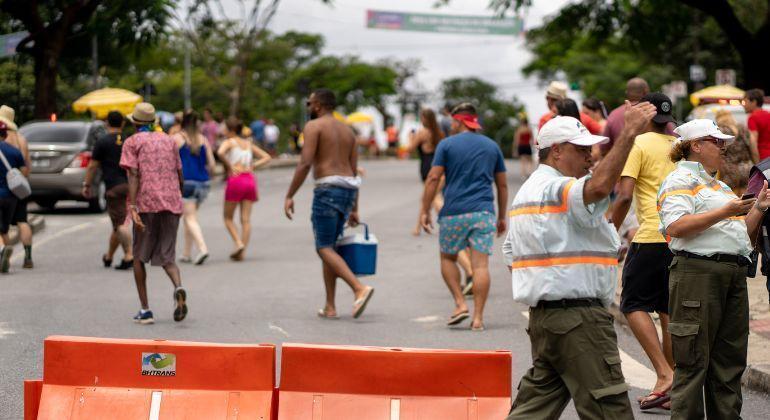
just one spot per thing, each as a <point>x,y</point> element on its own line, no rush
<point>350,382</point>
<point>92,378</point>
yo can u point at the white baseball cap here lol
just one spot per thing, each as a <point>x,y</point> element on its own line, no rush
<point>562,129</point>
<point>700,128</point>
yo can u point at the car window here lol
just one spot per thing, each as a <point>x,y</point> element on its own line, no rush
<point>54,133</point>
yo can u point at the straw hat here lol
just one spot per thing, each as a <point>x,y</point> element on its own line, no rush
<point>144,113</point>
<point>557,90</point>
<point>7,115</point>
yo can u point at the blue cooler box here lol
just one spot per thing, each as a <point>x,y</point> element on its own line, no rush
<point>359,251</point>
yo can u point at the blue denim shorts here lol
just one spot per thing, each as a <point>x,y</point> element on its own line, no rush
<point>196,191</point>
<point>475,230</point>
<point>331,208</point>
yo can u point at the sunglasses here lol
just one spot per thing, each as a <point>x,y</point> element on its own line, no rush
<point>720,143</point>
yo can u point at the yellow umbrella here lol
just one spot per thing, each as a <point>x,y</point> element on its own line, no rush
<point>100,102</point>
<point>715,94</point>
<point>338,116</point>
<point>359,117</point>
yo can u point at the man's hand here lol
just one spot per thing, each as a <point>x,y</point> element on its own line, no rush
<point>86,191</point>
<point>425,222</point>
<point>353,220</point>
<point>738,207</point>
<point>763,199</point>
<point>638,116</point>
<point>288,208</point>
<point>137,220</point>
<point>502,226</point>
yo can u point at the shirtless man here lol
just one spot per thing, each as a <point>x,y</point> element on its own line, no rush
<point>15,139</point>
<point>330,151</point>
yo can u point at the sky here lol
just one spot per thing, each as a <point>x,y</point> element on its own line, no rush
<point>496,59</point>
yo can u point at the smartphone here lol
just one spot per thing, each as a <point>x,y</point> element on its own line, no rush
<point>747,196</point>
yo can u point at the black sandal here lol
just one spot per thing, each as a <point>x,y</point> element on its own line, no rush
<point>107,263</point>
<point>125,265</point>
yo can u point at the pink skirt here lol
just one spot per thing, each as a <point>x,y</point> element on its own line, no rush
<point>241,187</point>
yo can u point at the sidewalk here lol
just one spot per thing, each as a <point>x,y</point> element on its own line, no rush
<point>757,375</point>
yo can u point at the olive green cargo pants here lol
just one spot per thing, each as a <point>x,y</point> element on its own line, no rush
<point>574,354</point>
<point>709,309</point>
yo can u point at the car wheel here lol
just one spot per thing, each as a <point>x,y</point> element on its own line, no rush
<point>46,203</point>
<point>98,204</point>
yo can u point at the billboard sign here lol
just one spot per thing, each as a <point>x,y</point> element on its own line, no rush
<point>428,22</point>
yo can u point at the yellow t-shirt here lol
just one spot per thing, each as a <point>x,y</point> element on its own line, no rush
<point>649,164</point>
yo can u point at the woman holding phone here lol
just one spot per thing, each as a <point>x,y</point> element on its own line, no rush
<point>711,233</point>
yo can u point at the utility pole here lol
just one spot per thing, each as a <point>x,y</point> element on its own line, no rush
<point>187,77</point>
<point>95,62</point>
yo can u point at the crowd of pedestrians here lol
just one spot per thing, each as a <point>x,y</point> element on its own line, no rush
<point>695,193</point>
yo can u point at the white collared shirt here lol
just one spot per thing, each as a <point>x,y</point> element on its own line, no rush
<point>557,246</point>
<point>691,190</point>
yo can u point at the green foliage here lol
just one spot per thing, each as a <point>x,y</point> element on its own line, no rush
<point>496,114</point>
<point>617,40</point>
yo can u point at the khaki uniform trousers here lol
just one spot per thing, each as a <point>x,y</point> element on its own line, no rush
<point>574,354</point>
<point>709,309</point>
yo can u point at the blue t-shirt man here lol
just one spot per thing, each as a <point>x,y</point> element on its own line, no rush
<point>470,162</point>
<point>15,160</point>
<point>258,130</point>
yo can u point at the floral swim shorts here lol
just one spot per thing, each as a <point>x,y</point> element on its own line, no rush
<point>476,230</point>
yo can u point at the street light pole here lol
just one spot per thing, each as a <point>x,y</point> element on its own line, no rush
<point>95,61</point>
<point>187,77</point>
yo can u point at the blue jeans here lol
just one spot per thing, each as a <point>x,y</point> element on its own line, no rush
<point>196,191</point>
<point>331,208</point>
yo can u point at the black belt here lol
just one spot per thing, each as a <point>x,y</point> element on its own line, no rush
<point>730,258</point>
<point>568,303</point>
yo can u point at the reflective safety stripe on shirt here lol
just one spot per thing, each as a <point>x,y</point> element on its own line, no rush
<point>565,258</point>
<point>561,205</point>
<point>692,189</point>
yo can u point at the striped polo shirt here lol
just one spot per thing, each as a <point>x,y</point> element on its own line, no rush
<point>558,247</point>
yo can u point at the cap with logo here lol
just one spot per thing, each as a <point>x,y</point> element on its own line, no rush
<point>700,128</point>
<point>556,90</point>
<point>662,104</point>
<point>566,130</point>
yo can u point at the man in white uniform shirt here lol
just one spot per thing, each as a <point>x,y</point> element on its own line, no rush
<point>562,252</point>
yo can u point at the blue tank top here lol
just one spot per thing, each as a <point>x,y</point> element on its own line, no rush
<point>194,167</point>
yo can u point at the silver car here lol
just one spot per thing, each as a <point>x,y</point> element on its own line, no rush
<point>60,153</point>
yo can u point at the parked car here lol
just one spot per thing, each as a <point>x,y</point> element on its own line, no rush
<point>60,153</point>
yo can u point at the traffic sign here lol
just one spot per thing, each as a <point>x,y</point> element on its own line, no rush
<point>676,89</point>
<point>697,73</point>
<point>725,77</point>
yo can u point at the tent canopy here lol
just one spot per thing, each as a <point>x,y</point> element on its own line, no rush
<point>100,102</point>
<point>716,93</point>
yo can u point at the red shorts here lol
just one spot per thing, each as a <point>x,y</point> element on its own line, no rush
<point>241,187</point>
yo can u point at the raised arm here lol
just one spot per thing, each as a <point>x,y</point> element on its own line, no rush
<point>608,170</point>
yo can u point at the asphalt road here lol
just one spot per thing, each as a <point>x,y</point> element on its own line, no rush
<point>273,295</point>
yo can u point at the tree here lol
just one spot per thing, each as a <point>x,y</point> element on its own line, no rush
<point>745,24</point>
<point>355,82</point>
<point>58,27</point>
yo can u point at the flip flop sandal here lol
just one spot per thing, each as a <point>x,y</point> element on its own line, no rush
<point>478,329</point>
<point>458,318</point>
<point>322,314</point>
<point>360,304</point>
<point>660,399</point>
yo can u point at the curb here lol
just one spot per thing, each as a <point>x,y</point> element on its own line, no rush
<point>755,378</point>
<point>36,222</point>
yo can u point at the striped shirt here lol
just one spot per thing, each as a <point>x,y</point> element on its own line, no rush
<point>691,190</point>
<point>558,247</point>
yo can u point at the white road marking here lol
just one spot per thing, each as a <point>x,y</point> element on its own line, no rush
<point>636,374</point>
<point>429,318</point>
<point>61,233</point>
<point>155,405</point>
<point>4,330</point>
<point>279,329</point>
